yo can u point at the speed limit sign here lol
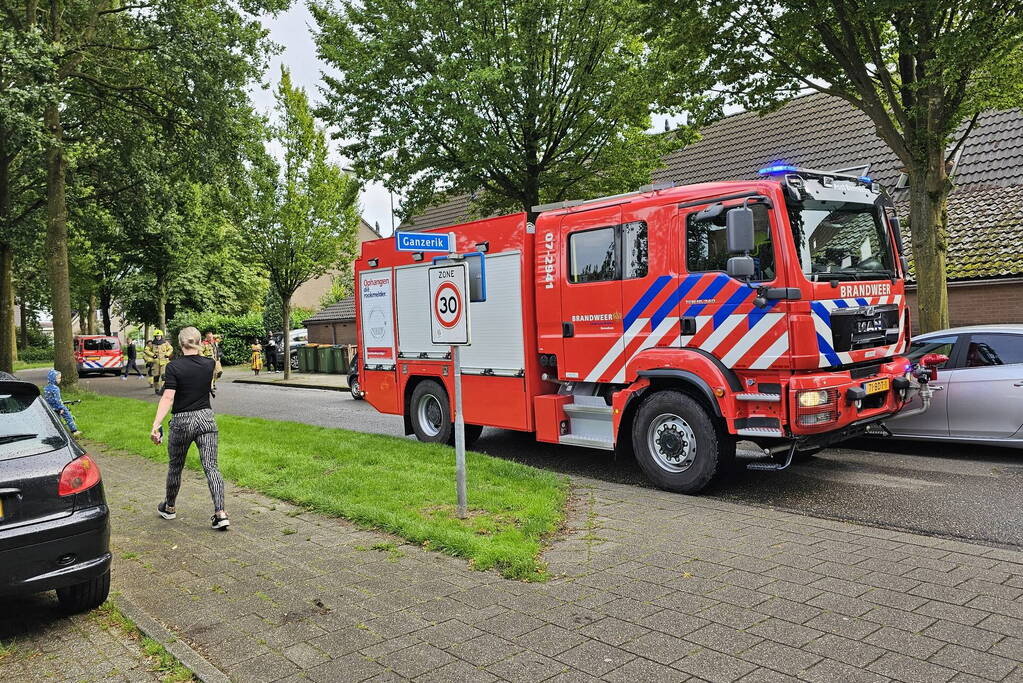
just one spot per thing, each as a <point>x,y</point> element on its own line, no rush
<point>449,304</point>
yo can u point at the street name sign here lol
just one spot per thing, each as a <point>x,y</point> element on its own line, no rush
<point>423,241</point>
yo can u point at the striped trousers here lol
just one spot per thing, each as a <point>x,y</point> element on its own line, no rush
<point>200,427</point>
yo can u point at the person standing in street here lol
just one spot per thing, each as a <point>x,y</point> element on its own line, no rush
<point>257,356</point>
<point>159,355</point>
<point>211,349</point>
<point>187,396</point>
<point>271,353</point>
<point>130,355</point>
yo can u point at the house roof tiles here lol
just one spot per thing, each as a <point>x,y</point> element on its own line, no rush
<point>819,131</point>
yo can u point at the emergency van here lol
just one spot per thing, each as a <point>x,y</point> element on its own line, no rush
<point>98,353</point>
<point>672,322</point>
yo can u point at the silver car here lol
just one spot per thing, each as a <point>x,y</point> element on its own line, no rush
<point>979,393</point>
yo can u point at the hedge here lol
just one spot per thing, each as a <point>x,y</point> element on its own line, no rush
<point>236,331</point>
<point>34,354</point>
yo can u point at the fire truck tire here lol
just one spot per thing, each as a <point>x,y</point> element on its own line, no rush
<point>431,416</point>
<point>677,443</point>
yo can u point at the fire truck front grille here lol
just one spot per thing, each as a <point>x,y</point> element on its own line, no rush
<point>864,327</point>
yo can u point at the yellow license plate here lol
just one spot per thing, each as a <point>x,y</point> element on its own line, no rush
<point>877,385</point>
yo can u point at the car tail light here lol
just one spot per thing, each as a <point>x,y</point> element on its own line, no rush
<point>79,475</point>
<point>816,407</point>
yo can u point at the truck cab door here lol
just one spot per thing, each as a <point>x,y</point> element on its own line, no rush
<point>591,302</point>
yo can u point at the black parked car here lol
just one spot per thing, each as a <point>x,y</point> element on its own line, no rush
<point>54,521</point>
<point>353,380</point>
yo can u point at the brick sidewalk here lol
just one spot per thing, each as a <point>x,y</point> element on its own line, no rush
<point>652,586</point>
<point>39,642</point>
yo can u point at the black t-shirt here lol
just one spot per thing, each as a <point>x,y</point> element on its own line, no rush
<point>130,350</point>
<point>190,377</point>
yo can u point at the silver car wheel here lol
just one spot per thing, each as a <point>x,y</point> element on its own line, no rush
<point>672,443</point>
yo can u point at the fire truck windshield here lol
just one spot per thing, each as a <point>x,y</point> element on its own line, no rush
<point>841,241</point>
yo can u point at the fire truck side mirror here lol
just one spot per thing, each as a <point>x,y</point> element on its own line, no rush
<point>739,230</point>
<point>741,267</point>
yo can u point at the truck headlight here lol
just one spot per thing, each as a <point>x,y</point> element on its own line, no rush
<point>812,399</point>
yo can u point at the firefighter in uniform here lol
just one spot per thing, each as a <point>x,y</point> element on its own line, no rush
<point>210,348</point>
<point>157,355</point>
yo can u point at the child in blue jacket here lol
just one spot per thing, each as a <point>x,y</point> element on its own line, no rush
<point>52,395</point>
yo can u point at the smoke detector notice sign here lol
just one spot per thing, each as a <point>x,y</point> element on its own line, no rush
<point>449,304</point>
<point>375,288</point>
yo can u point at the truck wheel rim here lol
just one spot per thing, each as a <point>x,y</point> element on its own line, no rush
<point>429,414</point>
<point>672,443</point>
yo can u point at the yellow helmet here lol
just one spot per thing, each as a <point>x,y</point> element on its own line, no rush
<point>157,333</point>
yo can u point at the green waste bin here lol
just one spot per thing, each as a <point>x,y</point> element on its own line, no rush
<point>303,359</point>
<point>340,355</point>
<point>325,360</point>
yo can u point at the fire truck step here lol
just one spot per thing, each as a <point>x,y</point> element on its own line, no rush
<point>592,412</point>
<point>592,422</point>
<point>570,440</point>
<point>765,398</point>
<point>759,431</point>
<point>773,465</point>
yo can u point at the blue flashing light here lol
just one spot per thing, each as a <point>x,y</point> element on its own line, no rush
<point>777,169</point>
<point>865,179</point>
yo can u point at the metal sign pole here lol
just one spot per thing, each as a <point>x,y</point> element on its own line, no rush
<point>459,436</point>
<point>459,420</point>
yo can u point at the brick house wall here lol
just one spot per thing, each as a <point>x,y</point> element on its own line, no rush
<point>980,303</point>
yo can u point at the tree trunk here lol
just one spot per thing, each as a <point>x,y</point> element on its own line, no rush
<point>90,318</point>
<point>161,304</point>
<point>14,331</point>
<point>7,342</point>
<point>104,307</point>
<point>56,249</point>
<point>286,317</point>
<point>24,322</point>
<point>8,336</point>
<point>928,223</point>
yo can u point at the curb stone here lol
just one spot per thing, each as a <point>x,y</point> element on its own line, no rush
<point>199,665</point>
<point>295,385</point>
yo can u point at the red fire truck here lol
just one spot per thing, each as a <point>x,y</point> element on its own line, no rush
<point>671,322</point>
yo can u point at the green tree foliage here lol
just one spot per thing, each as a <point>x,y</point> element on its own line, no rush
<point>176,71</point>
<point>303,215</point>
<point>514,103</point>
<point>922,70</point>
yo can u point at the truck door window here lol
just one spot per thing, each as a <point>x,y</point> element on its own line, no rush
<point>592,256</point>
<point>634,250</point>
<point>707,249</point>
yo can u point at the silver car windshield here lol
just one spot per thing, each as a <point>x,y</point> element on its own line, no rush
<point>841,241</point>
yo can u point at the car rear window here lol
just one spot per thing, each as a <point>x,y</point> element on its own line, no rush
<point>106,344</point>
<point>26,426</point>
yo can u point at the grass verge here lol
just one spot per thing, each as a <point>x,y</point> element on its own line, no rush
<point>20,365</point>
<point>160,660</point>
<point>398,485</point>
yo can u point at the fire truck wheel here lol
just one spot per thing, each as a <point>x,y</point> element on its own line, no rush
<point>676,442</point>
<point>431,418</point>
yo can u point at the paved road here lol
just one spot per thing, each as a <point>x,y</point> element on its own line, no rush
<point>963,492</point>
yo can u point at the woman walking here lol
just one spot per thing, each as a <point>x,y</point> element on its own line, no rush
<point>187,395</point>
<point>257,356</point>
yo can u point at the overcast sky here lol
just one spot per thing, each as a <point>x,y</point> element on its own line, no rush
<point>292,30</point>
